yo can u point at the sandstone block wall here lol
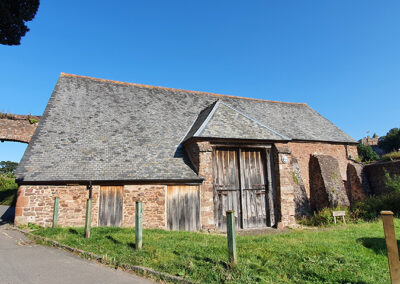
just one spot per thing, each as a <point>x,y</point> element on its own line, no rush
<point>35,205</point>
<point>153,199</point>
<point>284,187</point>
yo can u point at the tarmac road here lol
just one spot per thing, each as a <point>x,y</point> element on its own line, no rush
<point>22,261</point>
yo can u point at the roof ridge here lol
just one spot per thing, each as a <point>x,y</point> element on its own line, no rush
<point>172,89</point>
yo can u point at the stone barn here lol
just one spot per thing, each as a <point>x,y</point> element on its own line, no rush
<point>188,156</point>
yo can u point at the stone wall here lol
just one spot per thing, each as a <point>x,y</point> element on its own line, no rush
<point>17,127</point>
<point>153,199</point>
<point>35,205</point>
<point>376,175</point>
<point>284,185</point>
<point>302,151</point>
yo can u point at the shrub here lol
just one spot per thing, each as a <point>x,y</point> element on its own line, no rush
<point>370,208</point>
<point>392,183</point>
<point>391,156</point>
<point>325,217</point>
<point>366,153</point>
<point>33,120</point>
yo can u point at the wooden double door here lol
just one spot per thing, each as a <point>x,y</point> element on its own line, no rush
<point>243,183</point>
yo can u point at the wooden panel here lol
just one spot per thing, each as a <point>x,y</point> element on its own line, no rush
<point>183,208</point>
<point>253,187</point>
<point>110,211</point>
<point>226,186</point>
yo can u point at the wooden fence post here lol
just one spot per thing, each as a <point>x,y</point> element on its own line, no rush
<point>88,219</point>
<point>55,211</point>
<point>230,223</point>
<point>391,246</point>
<point>138,225</point>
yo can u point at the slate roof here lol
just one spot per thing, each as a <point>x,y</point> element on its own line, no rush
<point>220,120</point>
<point>101,130</point>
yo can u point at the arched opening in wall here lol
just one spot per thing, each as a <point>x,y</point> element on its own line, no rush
<point>10,155</point>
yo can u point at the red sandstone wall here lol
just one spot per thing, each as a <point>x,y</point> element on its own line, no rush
<point>17,128</point>
<point>153,199</point>
<point>303,150</point>
<point>35,205</point>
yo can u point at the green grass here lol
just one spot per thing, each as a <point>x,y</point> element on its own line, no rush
<point>353,253</point>
<point>8,190</point>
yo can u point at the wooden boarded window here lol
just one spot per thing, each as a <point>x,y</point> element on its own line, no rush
<point>242,182</point>
<point>183,208</point>
<point>110,211</point>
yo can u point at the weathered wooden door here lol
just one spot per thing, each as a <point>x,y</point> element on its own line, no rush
<point>183,208</point>
<point>253,184</point>
<point>110,210</point>
<point>226,186</point>
<point>240,183</point>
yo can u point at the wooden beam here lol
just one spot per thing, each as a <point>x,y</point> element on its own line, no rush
<point>231,234</point>
<point>391,245</point>
<point>55,211</point>
<point>138,225</point>
<point>88,218</point>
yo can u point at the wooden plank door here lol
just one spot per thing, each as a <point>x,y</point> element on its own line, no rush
<point>226,186</point>
<point>183,208</point>
<point>253,182</point>
<point>110,210</point>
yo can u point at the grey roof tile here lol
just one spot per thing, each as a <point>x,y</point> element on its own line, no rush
<point>95,129</point>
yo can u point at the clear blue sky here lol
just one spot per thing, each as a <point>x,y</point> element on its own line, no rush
<point>340,57</point>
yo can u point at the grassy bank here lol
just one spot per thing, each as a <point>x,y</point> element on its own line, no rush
<point>352,253</point>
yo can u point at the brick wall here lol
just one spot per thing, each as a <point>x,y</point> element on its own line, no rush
<point>35,205</point>
<point>302,151</point>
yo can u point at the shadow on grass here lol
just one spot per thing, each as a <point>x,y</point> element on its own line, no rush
<point>73,231</point>
<point>378,245</point>
<point>111,238</point>
<point>6,195</point>
<point>209,260</point>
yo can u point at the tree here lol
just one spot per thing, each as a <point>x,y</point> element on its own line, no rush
<point>8,167</point>
<point>13,15</point>
<point>366,153</point>
<point>390,142</point>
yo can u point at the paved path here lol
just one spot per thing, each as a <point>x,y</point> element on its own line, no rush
<point>22,261</point>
